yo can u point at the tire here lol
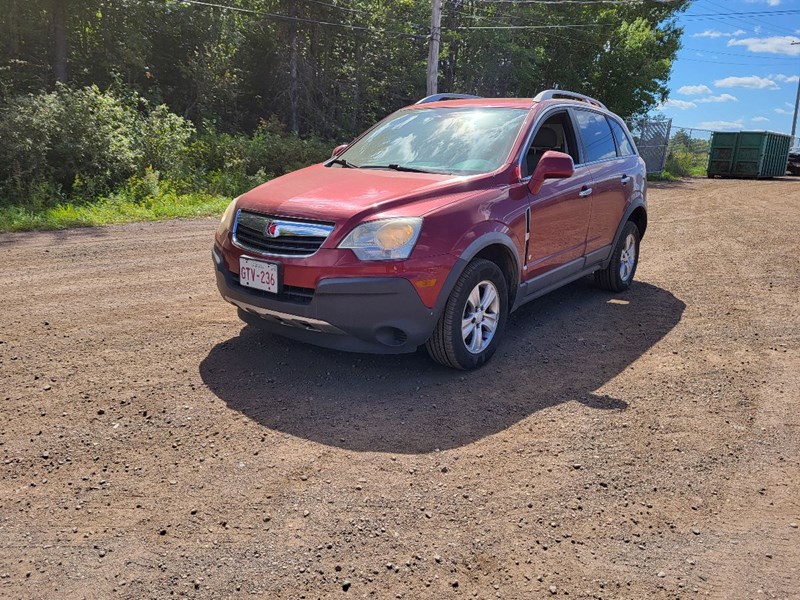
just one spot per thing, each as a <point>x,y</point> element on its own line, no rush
<point>618,277</point>
<point>449,345</point>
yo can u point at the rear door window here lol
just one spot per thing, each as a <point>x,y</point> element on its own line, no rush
<point>623,143</point>
<point>598,141</point>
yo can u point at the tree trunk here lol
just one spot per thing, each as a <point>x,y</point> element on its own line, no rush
<point>59,17</point>
<point>293,95</point>
<point>433,50</point>
<point>452,50</point>
<point>356,88</point>
<point>12,30</point>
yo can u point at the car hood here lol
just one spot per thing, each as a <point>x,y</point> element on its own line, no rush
<point>338,194</point>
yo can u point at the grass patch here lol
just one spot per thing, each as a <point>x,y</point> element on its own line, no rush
<point>663,176</point>
<point>117,208</point>
<point>698,171</point>
<point>686,163</point>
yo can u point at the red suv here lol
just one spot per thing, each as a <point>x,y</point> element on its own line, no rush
<point>436,223</point>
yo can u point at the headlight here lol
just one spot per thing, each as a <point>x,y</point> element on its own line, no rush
<point>227,218</point>
<point>386,239</point>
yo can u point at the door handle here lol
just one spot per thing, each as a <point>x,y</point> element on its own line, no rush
<point>625,179</point>
<point>587,191</point>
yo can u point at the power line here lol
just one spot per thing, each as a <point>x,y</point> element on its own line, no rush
<point>769,26</point>
<point>739,54</point>
<point>567,1</point>
<point>516,2</point>
<point>357,11</point>
<point>493,18</point>
<point>304,20</point>
<point>760,13</point>
<point>574,26</point>
<point>536,26</point>
<point>719,62</point>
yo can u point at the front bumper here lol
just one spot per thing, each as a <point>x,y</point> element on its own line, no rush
<point>382,315</point>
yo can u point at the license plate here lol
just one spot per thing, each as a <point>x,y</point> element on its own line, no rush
<point>258,274</point>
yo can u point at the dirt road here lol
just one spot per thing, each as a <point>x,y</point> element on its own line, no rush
<point>645,445</point>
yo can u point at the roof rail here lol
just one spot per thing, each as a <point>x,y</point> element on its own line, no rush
<point>567,95</point>
<point>440,97</point>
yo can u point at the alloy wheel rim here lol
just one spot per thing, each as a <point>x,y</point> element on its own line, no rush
<point>627,258</point>
<point>481,317</point>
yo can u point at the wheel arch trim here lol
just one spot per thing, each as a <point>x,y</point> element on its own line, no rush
<point>634,206</point>
<point>491,238</point>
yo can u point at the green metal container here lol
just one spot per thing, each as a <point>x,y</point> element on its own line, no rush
<point>721,153</point>
<point>748,154</point>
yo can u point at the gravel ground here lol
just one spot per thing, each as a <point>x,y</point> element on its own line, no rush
<point>644,445</point>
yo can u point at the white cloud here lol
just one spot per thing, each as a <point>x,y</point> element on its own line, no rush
<point>783,111</point>
<point>760,120</point>
<point>769,2</point>
<point>720,98</point>
<point>694,90</point>
<point>716,125</point>
<point>754,82</point>
<point>785,78</point>
<point>679,104</point>
<point>772,45</point>
<point>713,33</point>
<point>708,33</point>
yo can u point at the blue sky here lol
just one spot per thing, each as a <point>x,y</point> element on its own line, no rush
<point>736,71</point>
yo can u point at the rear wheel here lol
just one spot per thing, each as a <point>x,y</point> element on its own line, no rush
<point>473,319</point>
<point>618,276</point>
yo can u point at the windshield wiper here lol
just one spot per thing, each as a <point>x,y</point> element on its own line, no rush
<point>396,167</point>
<point>343,162</point>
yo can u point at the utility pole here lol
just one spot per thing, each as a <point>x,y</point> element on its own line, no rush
<point>433,51</point>
<point>59,17</point>
<point>796,103</point>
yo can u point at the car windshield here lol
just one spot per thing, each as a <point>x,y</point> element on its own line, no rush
<point>439,140</point>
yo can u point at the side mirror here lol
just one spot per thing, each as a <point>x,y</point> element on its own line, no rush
<point>552,165</point>
<point>338,150</point>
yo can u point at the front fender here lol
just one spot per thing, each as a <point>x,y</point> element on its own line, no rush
<point>470,245</point>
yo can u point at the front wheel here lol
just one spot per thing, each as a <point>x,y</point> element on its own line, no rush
<point>473,319</point>
<point>618,276</point>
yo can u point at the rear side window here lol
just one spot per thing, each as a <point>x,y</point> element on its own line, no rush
<point>623,143</point>
<point>598,140</point>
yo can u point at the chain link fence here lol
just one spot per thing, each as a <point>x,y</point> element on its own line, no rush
<point>687,152</point>
<point>652,138</point>
<point>681,151</point>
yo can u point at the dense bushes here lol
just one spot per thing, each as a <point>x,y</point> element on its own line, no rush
<point>80,143</point>
<point>234,163</point>
<point>78,146</point>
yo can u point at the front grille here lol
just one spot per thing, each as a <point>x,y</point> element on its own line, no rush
<point>277,236</point>
<point>288,293</point>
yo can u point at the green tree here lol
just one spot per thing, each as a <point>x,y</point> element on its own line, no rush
<point>332,67</point>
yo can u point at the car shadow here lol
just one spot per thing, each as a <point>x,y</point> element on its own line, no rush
<point>559,348</point>
<point>56,236</point>
<point>662,184</point>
